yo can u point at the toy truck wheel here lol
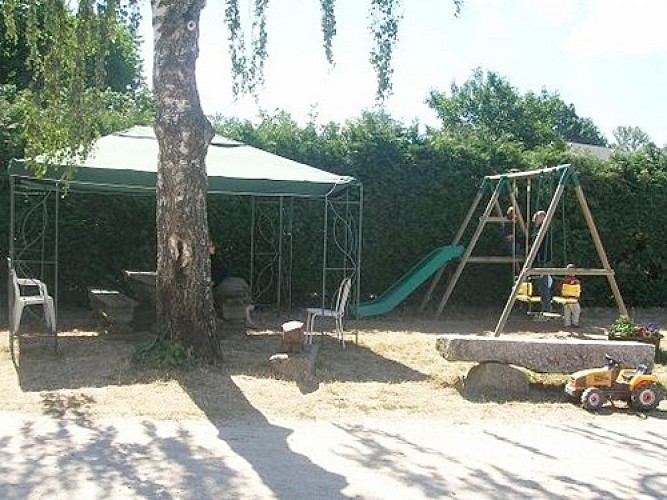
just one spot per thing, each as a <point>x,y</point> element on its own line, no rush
<point>592,399</point>
<point>645,398</point>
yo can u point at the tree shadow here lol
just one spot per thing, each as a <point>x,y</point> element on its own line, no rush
<point>87,362</point>
<point>67,452</point>
<point>80,361</point>
<point>263,444</point>
<point>248,355</point>
<point>237,446</point>
<point>135,454</point>
<point>473,461</point>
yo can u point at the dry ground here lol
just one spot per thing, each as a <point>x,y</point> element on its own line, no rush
<point>393,372</point>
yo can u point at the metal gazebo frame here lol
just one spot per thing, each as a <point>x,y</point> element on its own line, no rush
<point>35,228</point>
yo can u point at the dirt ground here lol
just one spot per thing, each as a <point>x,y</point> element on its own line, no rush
<point>394,371</point>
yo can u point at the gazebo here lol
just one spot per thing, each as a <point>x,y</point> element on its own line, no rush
<point>125,163</point>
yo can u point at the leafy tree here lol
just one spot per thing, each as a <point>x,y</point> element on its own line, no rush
<point>488,103</point>
<point>121,102</point>
<point>122,61</point>
<point>185,307</point>
<point>630,139</point>
<point>11,138</point>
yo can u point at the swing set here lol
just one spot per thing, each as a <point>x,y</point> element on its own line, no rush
<point>514,185</point>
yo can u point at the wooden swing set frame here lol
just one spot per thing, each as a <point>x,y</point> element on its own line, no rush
<point>495,184</point>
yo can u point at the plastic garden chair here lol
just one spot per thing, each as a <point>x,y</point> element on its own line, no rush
<point>337,312</point>
<point>25,292</point>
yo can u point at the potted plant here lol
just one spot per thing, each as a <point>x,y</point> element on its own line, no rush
<point>625,328</point>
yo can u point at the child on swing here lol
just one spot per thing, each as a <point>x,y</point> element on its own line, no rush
<point>570,290</point>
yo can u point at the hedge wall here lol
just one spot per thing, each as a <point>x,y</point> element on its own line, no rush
<point>417,189</point>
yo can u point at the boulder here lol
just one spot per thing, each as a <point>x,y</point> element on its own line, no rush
<point>496,382</point>
<point>543,355</point>
<point>298,367</point>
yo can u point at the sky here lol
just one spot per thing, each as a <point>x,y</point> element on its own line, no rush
<point>606,57</point>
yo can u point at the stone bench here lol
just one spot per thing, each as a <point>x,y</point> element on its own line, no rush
<point>543,355</point>
<point>496,377</point>
<point>116,308</point>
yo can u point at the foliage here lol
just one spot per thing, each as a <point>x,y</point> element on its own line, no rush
<point>247,65</point>
<point>162,352</point>
<point>11,115</point>
<point>120,111</point>
<point>630,139</point>
<point>19,66</point>
<point>385,19</point>
<point>123,62</point>
<point>661,358</point>
<point>328,25</point>
<point>417,189</point>
<point>63,55</point>
<point>625,327</point>
<point>26,117</point>
<point>489,104</point>
<point>625,195</point>
<point>115,111</point>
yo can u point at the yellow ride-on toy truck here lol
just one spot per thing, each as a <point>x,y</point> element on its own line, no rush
<point>594,387</point>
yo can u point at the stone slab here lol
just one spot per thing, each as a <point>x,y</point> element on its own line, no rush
<point>115,306</point>
<point>543,355</point>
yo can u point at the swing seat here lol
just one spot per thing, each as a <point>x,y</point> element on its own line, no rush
<point>544,316</point>
<point>570,294</point>
<point>525,294</point>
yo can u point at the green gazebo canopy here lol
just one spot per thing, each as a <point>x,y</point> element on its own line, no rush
<point>127,161</point>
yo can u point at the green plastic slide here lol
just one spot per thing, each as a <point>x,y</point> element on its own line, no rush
<point>408,283</point>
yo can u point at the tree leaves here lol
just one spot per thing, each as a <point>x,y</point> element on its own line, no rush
<point>488,103</point>
<point>385,17</point>
<point>247,64</point>
<point>328,25</point>
<point>64,69</point>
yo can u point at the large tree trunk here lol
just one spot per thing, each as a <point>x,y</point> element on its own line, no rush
<point>184,299</point>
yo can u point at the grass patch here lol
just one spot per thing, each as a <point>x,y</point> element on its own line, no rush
<point>394,371</point>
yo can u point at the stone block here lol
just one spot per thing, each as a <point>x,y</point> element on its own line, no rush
<point>298,367</point>
<point>496,382</point>
<point>543,355</point>
<point>293,338</point>
<point>232,299</point>
<point>115,307</point>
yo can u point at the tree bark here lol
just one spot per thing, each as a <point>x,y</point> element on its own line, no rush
<point>184,298</point>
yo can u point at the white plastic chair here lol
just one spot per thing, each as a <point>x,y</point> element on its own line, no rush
<point>337,312</point>
<point>28,292</point>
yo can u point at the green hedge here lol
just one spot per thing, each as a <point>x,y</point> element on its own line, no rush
<point>417,190</point>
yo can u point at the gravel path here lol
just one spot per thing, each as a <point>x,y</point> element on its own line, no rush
<point>613,455</point>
